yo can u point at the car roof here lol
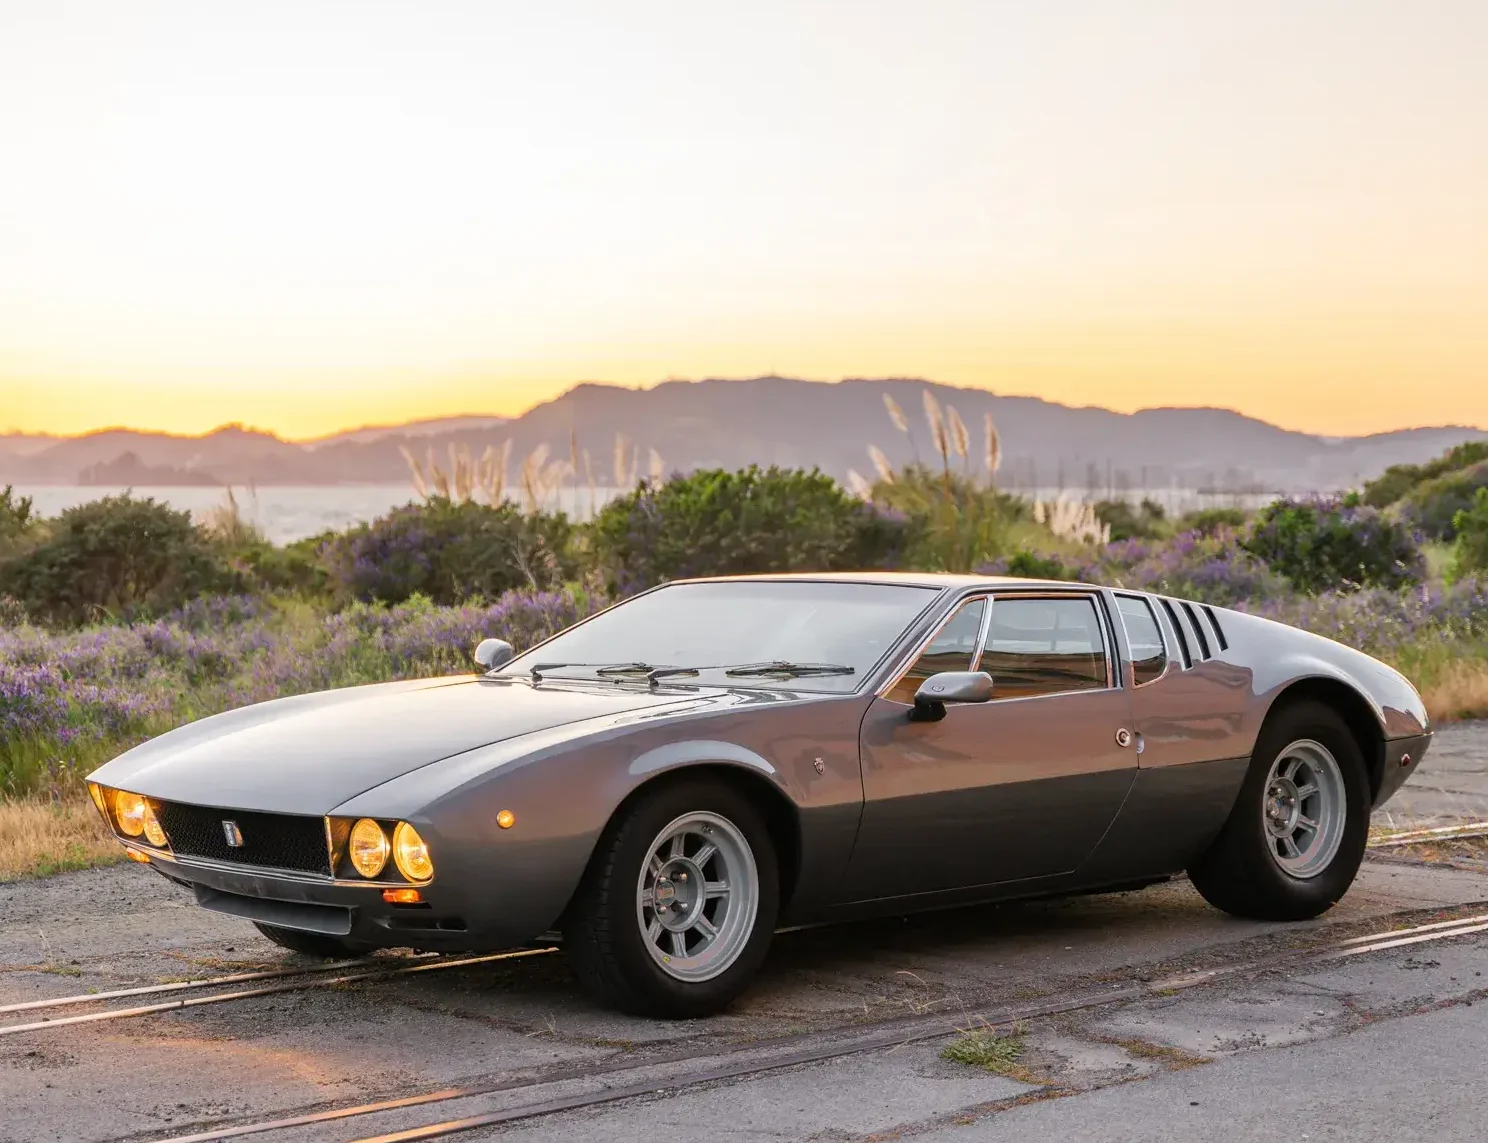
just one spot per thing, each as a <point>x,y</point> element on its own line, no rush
<point>939,580</point>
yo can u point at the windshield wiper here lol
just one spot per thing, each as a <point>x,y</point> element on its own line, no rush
<point>792,670</point>
<point>615,669</point>
<point>646,669</point>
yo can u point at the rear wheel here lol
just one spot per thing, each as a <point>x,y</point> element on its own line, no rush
<point>678,905</point>
<point>310,944</point>
<point>1294,840</point>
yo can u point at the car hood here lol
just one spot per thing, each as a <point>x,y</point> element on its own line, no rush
<point>309,753</point>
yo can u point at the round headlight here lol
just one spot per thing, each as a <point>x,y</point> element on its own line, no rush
<point>411,854</point>
<point>154,834</point>
<point>129,813</point>
<point>368,849</point>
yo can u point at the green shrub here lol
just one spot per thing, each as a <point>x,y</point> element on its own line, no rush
<point>118,557</point>
<point>1211,521</point>
<point>17,522</point>
<point>1032,565</point>
<point>1146,521</point>
<point>1434,504</point>
<point>449,552</point>
<point>955,523</point>
<point>1470,550</point>
<point>1334,544</point>
<point>716,522</point>
<point>1400,480</point>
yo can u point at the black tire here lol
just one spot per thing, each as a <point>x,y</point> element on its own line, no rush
<point>1241,873</point>
<point>603,938</point>
<point>310,944</point>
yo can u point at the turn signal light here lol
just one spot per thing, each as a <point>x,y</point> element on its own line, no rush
<point>136,855</point>
<point>402,896</point>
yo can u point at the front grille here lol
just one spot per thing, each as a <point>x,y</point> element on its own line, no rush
<point>271,841</point>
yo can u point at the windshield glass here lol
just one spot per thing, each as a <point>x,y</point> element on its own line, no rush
<point>742,624</point>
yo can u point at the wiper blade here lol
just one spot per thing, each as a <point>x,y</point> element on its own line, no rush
<point>794,670</point>
<point>646,669</point>
<point>615,669</point>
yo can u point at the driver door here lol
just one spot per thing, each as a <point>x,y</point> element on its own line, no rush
<point>1020,787</point>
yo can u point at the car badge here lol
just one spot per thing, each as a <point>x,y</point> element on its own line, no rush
<point>233,834</point>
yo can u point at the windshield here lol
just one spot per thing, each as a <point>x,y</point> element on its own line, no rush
<point>725,625</point>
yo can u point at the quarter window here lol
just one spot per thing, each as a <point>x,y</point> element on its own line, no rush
<point>952,649</point>
<point>1044,646</point>
<point>1149,656</point>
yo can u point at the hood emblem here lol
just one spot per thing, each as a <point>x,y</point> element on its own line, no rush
<point>233,834</point>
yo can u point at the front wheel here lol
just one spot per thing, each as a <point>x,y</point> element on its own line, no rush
<point>1295,838</point>
<point>678,905</point>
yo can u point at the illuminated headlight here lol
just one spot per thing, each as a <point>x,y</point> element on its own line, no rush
<point>130,811</point>
<point>368,848</point>
<point>95,791</point>
<point>411,854</point>
<point>154,834</point>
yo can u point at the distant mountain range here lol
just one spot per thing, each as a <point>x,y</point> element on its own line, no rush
<point>766,420</point>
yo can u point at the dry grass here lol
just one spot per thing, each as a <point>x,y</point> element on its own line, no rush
<point>1460,691</point>
<point>38,838</point>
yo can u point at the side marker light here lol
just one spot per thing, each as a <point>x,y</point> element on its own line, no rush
<point>506,819</point>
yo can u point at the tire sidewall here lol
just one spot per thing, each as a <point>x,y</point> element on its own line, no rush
<point>1309,896</point>
<point>631,848</point>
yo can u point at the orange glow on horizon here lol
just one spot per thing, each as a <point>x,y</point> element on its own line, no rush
<point>313,218</point>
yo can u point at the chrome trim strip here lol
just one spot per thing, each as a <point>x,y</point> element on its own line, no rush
<point>295,875</point>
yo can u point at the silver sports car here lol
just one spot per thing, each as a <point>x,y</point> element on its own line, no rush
<point>670,781</point>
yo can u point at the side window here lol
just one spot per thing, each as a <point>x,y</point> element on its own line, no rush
<point>1044,647</point>
<point>952,649</point>
<point>1149,656</point>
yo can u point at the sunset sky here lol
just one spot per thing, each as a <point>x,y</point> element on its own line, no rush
<point>311,215</point>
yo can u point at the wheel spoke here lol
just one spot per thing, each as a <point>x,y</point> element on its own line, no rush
<point>1291,847</point>
<point>679,944</point>
<point>704,855</point>
<point>706,927</point>
<point>679,846</point>
<point>1289,767</point>
<point>712,889</point>
<point>648,898</point>
<point>1307,823</point>
<point>656,865</point>
<point>653,930</point>
<point>1306,791</point>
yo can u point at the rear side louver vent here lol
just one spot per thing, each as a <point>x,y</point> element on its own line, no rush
<point>1178,631</point>
<point>1198,629</point>
<point>1224,644</point>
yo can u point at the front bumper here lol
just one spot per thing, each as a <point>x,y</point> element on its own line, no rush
<point>353,911</point>
<point>1402,756</point>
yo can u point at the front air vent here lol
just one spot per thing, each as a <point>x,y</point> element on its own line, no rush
<point>266,841</point>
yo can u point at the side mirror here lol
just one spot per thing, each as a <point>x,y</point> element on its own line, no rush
<point>493,653</point>
<point>949,686</point>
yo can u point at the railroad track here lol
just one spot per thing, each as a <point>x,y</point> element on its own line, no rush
<point>564,1088</point>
